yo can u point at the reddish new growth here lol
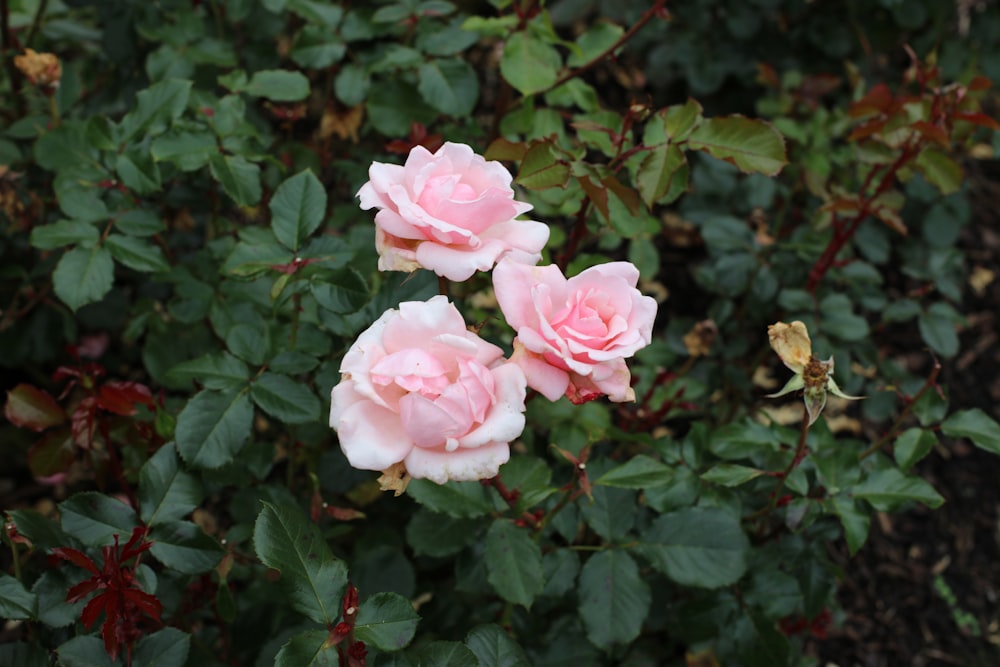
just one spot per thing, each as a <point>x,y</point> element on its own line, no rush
<point>121,599</point>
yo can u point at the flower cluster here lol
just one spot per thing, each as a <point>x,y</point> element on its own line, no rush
<point>423,396</point>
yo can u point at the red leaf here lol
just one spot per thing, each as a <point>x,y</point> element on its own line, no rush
<point>94,609</point>
<point>121,398</point>
<point>83,589</point>
<point>34,408</point>
<point>878,100</point>
<point>146,603</point>
<point>980,83</point>
<point>83,422</point>
<point>130,549</point>
<point>52,454</point>
<point>77,558</point>
<point>932,132</point>
<point>977,118</point>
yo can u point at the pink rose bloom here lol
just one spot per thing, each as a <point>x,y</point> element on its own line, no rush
<point>573,336</point>
<point>451,212</point>
<point>419,388</point>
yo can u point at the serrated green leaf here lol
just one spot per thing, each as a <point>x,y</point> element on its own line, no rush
<point>494,648</point>
<point>278,85</point>
<point>703,547</point>
<point>62,233</point>
<point>513,563</point>
<point>449,85</point>
<point>938,329</point>
<point>308,649</point>
<point>285,399</point>
<point>598,38</point>
<point>155,107</point>
<point>541,169</point>
<point>529,64</point>
<point>50,591</point>
<point>16,602</point>
<point>84,651</point>
<point>213,427</point>
<point>729,474</point>
<point>184,547</point>
<point>138,172</point>
<point>94,518</point>
<point>754,146</point>
<point>639,472</point>
<point>43,532</point>
<point>220,371</point>
<point>83,275</point>
<point>854,519</point>
<point>940,170</point>
<point>386,621</point>
<point>312,578</point>
<point>913,444</point>
<point>249,260</point>
<point>187,150</point>
<point>457,499</point>
<point>343,291</point>
<point>317,47</point>
<point>433,534</point>
<point>166,491</point>
<point>445,654</point>
<point>248,342</point>
<point>977,426</point>
<point>164,648</point>
<point>238,177</point>
<point>656,173</point>
<point>603,511</point>
<point>137,254</point>
<point>20,654</point>
<point>889,488</point>
<point>351,85</point>
<point>139,222</point>
<point>297,209</point>
<point>614,599</point>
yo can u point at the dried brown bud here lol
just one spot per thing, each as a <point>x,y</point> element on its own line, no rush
<point>41,69</point>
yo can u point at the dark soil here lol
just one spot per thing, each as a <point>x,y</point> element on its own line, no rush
<point>896,613</point>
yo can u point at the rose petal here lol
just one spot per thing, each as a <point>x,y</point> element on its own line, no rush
<point>546,379</point>
<point>505,419</point>
<point>371,437</point>
<point>461,465</point>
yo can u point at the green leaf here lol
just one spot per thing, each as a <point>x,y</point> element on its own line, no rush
<point>494,647</point>
<point>165,648</point>
<point>752,145</point>
<point>186,150</point>
<point>83,275</point>
<point>393,105</point>
<point>278,85</point>
<point>914,444</point>
<point>679,120</point>
<point>84,651</point>
<point>703,547</point>
<point>297,209</point>
<point>513,563</point>
<point>449,85</point>
<point>445,654</point>
<point>657,171</point>
<point>137,254</point>
<point>317,47</point>
<point>139,222</point>
<point>937,328</point>
<point>351,84</point>
<point>138,172</point>
<point>28,406</point>
<point>541,169</point>
<point>249,260</point>
<point>16,602</point>
<point>529,64</point>
<point>62,233</point>
<point>248,342</point>
<point>855,520</point>
<point>614,598</point>
<point>603,511</point>
<point>221,371</point>
<point>887,489</point>
<point>433,534</point>
<point>43,532</point>
<point>386,621</point>
<point>308,649</point>
<point>975,425</point>
<point>759,642</point>
<point>456,499</point>
<point>213,427</point>
<point>50,591</point>
<point>184,547</point>
<point>593,43</point>
<point>166,492</point>
<point>285,399</point>
<point>940,170</point>
<point>639,472</point>
<point>312,578</point>
<point>95,519</point>
<point>52,454</point>
<point>238,177</point>
<point>729,474</point>
<point>155,107</point>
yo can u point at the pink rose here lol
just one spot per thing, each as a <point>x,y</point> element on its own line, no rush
<point>419,388</point>
<point>451,212</point>
<point>573,336</point>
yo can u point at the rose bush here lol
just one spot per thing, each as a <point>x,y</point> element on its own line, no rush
<point>421,389</point>
<point>574,335</point>
<point>450,211</point>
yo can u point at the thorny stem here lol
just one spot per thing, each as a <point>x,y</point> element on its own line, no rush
<point>907,409</point>
<point>13,553</point>
<point>800,455</point>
